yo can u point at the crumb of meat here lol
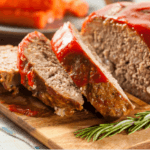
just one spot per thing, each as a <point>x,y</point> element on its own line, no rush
<point>124,53</point>
<point>48,67</point>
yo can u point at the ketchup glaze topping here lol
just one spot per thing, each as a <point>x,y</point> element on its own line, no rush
<point>136,16</point>
<point>21,110</point>
<point>64,44</point>
<point>25,68</point>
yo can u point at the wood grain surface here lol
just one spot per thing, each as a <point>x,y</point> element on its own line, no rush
<point>57,132</point>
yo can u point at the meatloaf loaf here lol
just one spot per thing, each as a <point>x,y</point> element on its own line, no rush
<point>100,88</point>
<point>42,74</point>
<point>9,73</point>
<point>120,34</point>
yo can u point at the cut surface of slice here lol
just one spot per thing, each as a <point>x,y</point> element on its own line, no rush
<point>42,74</point>
<point>119,34</point>
<point>100,88</point>
<point>9,73</point>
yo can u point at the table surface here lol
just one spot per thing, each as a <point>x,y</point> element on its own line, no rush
<point>13,137</point>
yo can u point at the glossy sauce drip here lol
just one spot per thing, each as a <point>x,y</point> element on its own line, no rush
<point>136,16</point>
<point>30,76</point>
<point>25,104</point>
<point>26,72</point>
<point>22,110</point>
<point>25,67</point>
<point>65,44</point>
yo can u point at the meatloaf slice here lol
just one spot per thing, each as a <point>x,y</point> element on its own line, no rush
<point>42,74</point>
<point>100,88</point>
<point>119,34</point>
<point>9,73</point>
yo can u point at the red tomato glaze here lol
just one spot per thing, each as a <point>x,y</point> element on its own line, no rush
<point>25,67</point>
<point>21,110</point>
<point>136,16</point>
<point>64,44</point>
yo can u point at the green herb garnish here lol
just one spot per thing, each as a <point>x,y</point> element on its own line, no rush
<point>101,131</point>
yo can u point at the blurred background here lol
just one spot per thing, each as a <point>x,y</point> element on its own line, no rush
<point>17,18</point>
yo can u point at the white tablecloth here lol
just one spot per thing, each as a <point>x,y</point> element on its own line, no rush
<point>12,137</point>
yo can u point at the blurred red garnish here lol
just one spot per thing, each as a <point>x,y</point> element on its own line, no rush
<point>37,13</point>
<point>78,8</point>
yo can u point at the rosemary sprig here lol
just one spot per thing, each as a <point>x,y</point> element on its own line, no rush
<point>101,131</point>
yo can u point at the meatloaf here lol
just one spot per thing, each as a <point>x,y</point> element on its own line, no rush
<point>42,74</point>
<point>97,84</point>
<point>120,33</point>
<point>9,73</point>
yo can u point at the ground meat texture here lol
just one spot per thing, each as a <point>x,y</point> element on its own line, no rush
<point>42,74</point>
<point>122,49</point>
<point>9,73</point>
<point>100,88</point>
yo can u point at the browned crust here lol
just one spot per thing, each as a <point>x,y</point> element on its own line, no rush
<point>103,96</point>
<point>50,97</point>
<point>2,90</point>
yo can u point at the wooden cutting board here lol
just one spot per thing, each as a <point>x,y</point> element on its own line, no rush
<point>57,132</point>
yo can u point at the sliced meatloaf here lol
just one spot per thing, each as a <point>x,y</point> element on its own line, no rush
<point>9,73</point>
<point>120,33</point>
<point>42,74</point>
<point>100,88</point>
